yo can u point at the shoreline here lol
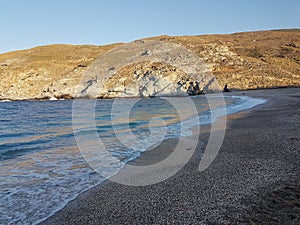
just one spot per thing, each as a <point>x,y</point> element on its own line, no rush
<point>114,203</point>
<point>64,97</point>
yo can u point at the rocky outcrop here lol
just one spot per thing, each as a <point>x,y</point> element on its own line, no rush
<point>265,59</point>
<point>147,69</point>
<point>149,80</point>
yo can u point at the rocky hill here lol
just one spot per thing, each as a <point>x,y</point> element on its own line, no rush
<point>251,60</point>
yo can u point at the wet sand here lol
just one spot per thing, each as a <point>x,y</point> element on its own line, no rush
<point>255,178</point>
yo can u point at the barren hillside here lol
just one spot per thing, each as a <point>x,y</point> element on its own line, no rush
<point>250,60</point>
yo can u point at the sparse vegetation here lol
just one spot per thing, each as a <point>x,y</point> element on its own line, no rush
<point>255,53</point>
<point>241,60</point>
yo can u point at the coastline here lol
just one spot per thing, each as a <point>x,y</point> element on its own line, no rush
<point>250,165</point>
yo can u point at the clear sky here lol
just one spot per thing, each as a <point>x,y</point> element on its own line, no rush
<point>30,23</point>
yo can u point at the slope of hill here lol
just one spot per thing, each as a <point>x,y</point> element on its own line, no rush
<point>250,60</point>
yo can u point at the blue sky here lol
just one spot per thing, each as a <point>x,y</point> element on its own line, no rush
<point>30,23</point>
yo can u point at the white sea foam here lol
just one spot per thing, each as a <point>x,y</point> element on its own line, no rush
<point>243,103</point>
<point>53,99</point>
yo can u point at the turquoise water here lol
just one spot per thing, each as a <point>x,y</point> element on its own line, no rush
<point>41,166</point>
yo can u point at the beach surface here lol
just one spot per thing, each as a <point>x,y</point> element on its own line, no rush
<point>255,178</point>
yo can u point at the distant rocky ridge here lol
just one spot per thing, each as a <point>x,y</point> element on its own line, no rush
<point>251,60</point>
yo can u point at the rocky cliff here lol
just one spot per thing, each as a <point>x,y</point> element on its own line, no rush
<point>251,60</point>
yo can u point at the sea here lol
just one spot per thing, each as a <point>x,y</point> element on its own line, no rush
<point>42,167</point>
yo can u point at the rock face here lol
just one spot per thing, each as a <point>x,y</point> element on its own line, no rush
<point>149,80</point>
<point>147,69</point>
<point>265,59</point>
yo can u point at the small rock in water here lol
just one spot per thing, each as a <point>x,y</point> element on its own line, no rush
<point>226,88</point>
